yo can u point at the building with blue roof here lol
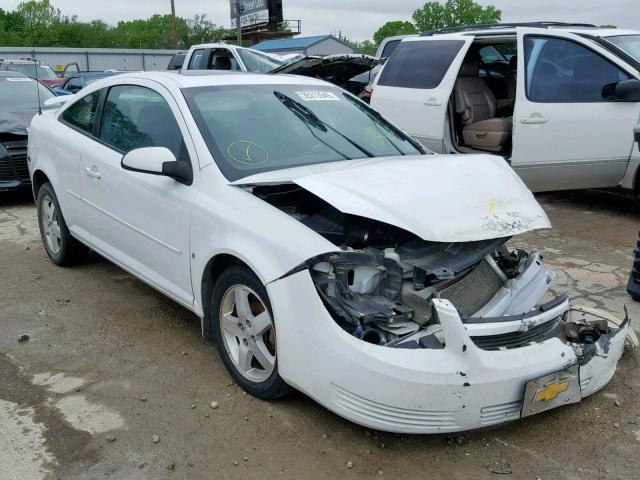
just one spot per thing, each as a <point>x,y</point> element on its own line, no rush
<point>321,45</point>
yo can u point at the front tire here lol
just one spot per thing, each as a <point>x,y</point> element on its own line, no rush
<point>244,332</point>
<point>62,248</point>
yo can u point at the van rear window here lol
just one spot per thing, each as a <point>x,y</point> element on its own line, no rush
<point>419,64</point>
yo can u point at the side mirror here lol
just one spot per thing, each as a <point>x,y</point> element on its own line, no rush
<point>158,161</point>
<point>628,91</point>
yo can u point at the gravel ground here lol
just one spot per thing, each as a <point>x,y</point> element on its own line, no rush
<point>115,382</point>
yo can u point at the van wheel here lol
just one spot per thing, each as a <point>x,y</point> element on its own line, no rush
<point>61,247</point>
<point>244,332</point>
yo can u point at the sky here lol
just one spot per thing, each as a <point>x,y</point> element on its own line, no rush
<point>358,19</point>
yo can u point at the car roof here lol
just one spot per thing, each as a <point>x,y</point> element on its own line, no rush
<point>510,28</point>
<point>12,74</point>
<point>205,78</point>
<point>214,45</point>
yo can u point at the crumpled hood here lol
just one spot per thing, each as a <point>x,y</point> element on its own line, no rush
<point>16,121</point>
<point>334,68</point>
<point>440,198</point>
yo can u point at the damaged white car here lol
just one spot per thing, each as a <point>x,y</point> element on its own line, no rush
<point>322,248</point>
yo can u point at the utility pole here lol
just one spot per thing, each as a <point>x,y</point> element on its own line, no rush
<point>239,10</point>
<point>173,24</point>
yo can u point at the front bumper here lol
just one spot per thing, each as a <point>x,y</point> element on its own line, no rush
<point>457,388</point>
<point>14,171</point>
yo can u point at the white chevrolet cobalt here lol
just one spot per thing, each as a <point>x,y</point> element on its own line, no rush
<point>322,248</point>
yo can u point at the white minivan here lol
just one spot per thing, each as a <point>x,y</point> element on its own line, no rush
<point>559,102</point>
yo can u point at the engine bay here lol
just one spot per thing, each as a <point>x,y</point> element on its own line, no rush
<point>380,286</point>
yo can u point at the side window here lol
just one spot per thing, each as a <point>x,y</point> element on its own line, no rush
<point>135,117</point>
<point>73,85</point>
<point>559,70</point>
<point>419,64</point>
<point>222,59</point>
<point>489,54</point>
<point>196,59</point>
<point>389,48</point>
<point>82,113</point>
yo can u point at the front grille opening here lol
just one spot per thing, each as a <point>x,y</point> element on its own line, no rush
<point>510,340</point>
<point>473,291</point>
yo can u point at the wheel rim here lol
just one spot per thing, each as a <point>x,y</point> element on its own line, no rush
<point>247,333</point>
<point>50,225</point>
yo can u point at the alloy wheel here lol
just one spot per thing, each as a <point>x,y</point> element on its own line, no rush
<point>51,225</point>
<point>248,333</point>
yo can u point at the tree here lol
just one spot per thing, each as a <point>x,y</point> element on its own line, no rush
<point>393,28</point>
<point>38,23</point>
<point>367,48</point>
<point>454,13</point>
<point>38,17</point>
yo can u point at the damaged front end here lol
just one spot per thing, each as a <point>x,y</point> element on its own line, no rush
<point>381,286</point>
<point>387,287</point>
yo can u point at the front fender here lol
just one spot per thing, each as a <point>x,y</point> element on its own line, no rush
<point>266,239</point>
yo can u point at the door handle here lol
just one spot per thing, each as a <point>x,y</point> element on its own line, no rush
<point>534,119</point>
<point>93,172</point>
<point>433,102</point>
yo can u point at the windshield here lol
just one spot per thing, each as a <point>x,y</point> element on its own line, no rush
<point>19,93</point>
<point>629,43</point>
<point>44,71</point>
<point>257,62</point>
<point>256,128</point>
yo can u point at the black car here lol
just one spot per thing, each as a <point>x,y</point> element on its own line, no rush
<point>18,104</point>
<point>633,287</point>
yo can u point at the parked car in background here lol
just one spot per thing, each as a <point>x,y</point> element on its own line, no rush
<point>348,71</point>
<point>633,287</point>
<point>337,69</point>
<point>557,101</point>
<point>77,82</point>
<point>18,104</point>
<point>33,68</point>
<point>222,56</point>
<point>321,247</point>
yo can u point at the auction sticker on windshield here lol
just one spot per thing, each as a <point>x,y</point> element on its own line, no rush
<point>309,96</point>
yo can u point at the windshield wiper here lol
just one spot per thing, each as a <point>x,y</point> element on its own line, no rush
<point>310,118</point>
<point>379,118</point>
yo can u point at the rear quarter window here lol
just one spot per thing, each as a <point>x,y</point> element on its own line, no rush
<point>421,64</point>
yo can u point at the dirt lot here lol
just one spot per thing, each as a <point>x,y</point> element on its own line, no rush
<point>116,383</point>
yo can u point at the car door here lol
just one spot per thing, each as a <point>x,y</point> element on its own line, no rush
<point>414,86</point>
<point>140,221</point>
<point>75,136</point>
<point>567,132</point>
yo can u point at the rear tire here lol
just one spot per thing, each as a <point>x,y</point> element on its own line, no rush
<point>62,248</point>
<point>244,332</point>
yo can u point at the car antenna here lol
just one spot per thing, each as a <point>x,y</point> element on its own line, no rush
<point>35,66</point>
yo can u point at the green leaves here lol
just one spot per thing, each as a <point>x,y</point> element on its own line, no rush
<point>39,23</point>
<point>393,28</point>
<point>454,13</point>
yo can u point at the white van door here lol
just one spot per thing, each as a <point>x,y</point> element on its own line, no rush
<point>415,84</point>
<point>569,131</point>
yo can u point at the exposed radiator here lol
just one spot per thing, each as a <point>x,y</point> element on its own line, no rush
<point>473,291</point>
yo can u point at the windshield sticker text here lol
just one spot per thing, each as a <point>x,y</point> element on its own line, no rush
<point>317,96</point>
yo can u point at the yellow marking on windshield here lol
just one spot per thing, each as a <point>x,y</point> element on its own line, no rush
<point>247,152</point>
